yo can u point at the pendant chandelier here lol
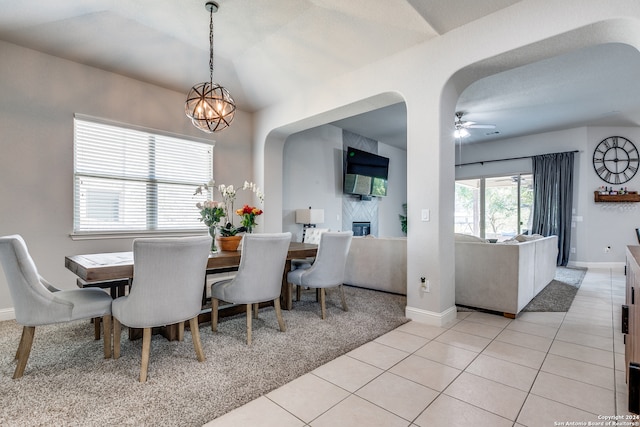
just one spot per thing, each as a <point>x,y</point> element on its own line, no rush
<point>209,105</point>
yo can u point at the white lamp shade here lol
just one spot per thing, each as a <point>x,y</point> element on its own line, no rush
<point>309,216</point>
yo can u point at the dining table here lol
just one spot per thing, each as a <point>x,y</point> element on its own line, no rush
<point>115,270</point>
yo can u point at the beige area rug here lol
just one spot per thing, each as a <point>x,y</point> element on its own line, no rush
<point>68,382</point>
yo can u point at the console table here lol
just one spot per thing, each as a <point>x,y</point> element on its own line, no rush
<point>631,327</point>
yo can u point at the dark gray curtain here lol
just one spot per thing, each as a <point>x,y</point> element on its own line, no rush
<point>553,199</point>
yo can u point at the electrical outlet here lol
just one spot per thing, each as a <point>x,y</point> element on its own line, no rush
<point>607,249</point>
<point>424,285</point>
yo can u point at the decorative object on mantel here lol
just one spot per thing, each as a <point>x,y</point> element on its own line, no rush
<point>209,105</point>
<point>217,210</point>
<point>616,160</point>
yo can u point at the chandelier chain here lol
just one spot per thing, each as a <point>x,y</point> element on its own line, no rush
<point>211,46</point>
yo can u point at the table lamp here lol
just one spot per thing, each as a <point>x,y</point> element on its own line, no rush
<point>309,218</point>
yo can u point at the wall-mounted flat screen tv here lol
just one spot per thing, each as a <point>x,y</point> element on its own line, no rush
<point>365,173</point>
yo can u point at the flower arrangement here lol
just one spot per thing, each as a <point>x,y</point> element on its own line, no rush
<point>248,215</point>
<point>228,193</point>
<point>211,212</point>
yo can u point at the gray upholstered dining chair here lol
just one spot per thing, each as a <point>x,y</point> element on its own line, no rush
<point>37,302</point>
<point>166,289</point>
<point>327,271</point>
<point>312,235</point>
<point>259,277</point>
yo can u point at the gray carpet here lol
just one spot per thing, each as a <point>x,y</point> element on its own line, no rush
<point>68,382</point>
<point>558,295</point>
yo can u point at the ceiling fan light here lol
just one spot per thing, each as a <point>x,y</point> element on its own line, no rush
<point>461,133</point>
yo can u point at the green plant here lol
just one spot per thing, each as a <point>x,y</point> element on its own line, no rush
<point>403,218</point>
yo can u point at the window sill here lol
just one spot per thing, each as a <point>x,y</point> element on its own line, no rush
<point>134,234</point>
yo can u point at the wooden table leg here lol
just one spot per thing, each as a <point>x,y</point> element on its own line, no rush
<point>285,294</point>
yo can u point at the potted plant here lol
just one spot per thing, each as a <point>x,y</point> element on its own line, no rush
<point>228,235</point>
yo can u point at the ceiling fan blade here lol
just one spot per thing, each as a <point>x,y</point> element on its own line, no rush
<point>480,126</point>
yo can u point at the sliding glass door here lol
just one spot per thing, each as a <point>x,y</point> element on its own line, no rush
<point>495,208</point>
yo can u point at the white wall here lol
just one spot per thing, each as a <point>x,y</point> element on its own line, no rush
<point>312,176</point>
<point>40,94</point>
<point>605,224</point>
<point>596,225</point>
<point>390,207</point>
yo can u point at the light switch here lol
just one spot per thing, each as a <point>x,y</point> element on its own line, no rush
<point>425,215</point>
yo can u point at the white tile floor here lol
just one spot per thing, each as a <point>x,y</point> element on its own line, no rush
<point>541,369</point>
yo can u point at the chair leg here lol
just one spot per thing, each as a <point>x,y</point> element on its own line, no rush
<point>255,310</point>
<point>298,292</point>
<point>181,331</point>
<point>322,307</point>
<point>106,325</point>
<point>96,328</point>
<point>214,314</point>
<point>249,324</point>
<point>146,349</point>
<point>344,301</point>
<point>117,329</point>
<point>195,337</point>
<point>24,349</point>
<point>20,344</point>
<point>276,306</point>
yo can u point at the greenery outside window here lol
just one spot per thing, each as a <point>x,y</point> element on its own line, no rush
<point>129,179</point>
<point>494,207</point>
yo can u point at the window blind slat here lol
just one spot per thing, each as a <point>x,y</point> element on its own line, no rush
<point>133,180</point>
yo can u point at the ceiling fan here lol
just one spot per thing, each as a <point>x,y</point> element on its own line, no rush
<point>462,126</point>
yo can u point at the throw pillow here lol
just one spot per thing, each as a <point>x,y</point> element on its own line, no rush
<point>527,238</point>
<point>468,238</point>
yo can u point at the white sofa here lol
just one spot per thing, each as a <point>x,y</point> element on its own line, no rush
<point>378,263</point>
<point>503,277</point>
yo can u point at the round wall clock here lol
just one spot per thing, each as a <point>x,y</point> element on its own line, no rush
<point>615,160</point>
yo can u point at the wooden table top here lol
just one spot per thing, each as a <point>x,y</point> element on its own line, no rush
<point>119,265</point>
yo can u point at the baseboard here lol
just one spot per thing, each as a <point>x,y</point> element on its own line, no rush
<point>431,317</point>
<point>7,314</point>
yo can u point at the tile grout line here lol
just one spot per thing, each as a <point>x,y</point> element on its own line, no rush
<point>440,393</point>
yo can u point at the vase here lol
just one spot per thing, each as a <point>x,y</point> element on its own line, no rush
<point>212,233</point>
<point>229,243</point>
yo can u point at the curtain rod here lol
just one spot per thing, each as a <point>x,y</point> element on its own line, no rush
<point>482,162</point>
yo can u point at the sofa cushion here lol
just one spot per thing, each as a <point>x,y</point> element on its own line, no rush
<point>528,238</point>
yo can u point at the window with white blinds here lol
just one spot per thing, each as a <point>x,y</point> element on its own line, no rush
<point>130,179</point>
